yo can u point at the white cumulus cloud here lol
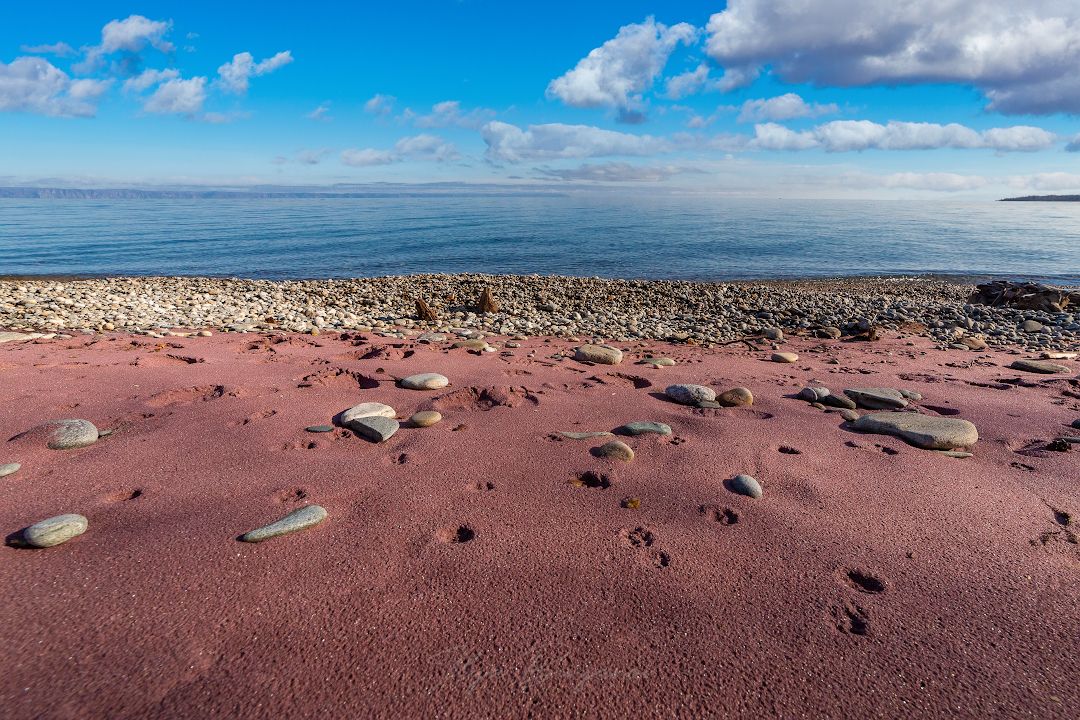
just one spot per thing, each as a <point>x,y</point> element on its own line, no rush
<point>1022,55</point>
<point>131,35</point>
<point>788,106</point>
<point>148,78</point>
<point>688,83</point>
<point>177,96</point>
<point>235,75</point>
<point>615,74</point>
<point>34,85</point>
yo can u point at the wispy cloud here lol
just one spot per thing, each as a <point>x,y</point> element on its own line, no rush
<point>235,75</point>
<point>414,147</point>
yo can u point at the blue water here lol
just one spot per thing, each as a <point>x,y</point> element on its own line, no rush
<point>636,236</point>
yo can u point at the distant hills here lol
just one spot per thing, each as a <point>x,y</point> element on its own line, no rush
<point>272,192</point>
<point>1044,198</point>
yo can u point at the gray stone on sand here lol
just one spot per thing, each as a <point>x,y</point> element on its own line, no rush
<point>368,409</point>
<point>1039,366</point>
<point>784,357</point>
<point>9,469</point>
<point>932,433</point>
<point>1030,326</point>
<point>70,434</point>
<point>687,394</point>
<point>813,393</point>
<point>746,485</point>
<point>839,401</point>
<point>55,530</point>
<point>375,428</point>
<point>1076,424</point>
<point>877,398</point>
<point>425,418</point>
<point>584,435</point>
<point>773,333</point>
<point>657,362</point>
<point>645,427</point>
<point>600,354</point>
<point>299,519</point>
<point>849,414</point>
<point>616,450</point>
<point>425,381</point>
<point>319,428</point>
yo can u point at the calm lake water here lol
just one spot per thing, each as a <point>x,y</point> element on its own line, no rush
<point>634,236</point>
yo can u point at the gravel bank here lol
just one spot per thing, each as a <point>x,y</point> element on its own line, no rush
<point>623,310</point>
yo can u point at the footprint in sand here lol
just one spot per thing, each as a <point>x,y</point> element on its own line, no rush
<point>1061,532</point>
<point>455,534</point>
<point>643,541</point>
<point>722,515</point>
<point>864,581</point>
<point>592,479</point>
<point>125,496</point>
<point>290,495</point>
<point>851,617</point>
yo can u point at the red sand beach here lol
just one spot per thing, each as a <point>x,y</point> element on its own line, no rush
<point>463,571</point>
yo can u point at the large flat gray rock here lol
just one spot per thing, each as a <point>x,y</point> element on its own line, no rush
<point>877,398</point>
<point>925,431</point>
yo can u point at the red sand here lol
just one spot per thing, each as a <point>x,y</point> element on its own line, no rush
<point>959,571</point>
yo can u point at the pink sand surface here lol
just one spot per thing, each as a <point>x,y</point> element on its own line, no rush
<point>874,579</point>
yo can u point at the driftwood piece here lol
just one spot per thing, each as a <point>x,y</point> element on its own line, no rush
<point>424,311</point>
<point>1024,296</point>
<point>487,302</point>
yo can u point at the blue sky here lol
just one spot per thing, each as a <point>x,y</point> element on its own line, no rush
<point>757,97</point>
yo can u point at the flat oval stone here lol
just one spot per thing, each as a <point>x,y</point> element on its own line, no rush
<point>657,362</point>
<point>470,344</point>
<point>687,394</point>
<point>932,433</point>
<point>849,415</point>
<point>813,394</point>
<point>583,435</point>
<point>375,428</point>
<point>644,427</point>
<point>1039,366</point>
<point>69,434</point>
<point>736,397</point>
<point>1059,355</point>
<point>425,381</point>
<point>746,485</point>
<point>838,401</point>
<point>600,354</point>
<point>425,418</point>
<point>55,530</point>
<point>616,450</point>
<point>784,357</point>
<point>877,398</point>
<point>368,409</point>
<point>320,428</point>
<point>299,519</point>
<point>9,469</point>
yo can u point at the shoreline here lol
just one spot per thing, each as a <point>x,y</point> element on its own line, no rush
<point>702,313</point>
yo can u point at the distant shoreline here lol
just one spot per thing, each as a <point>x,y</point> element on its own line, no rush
<point>1043,198</point>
